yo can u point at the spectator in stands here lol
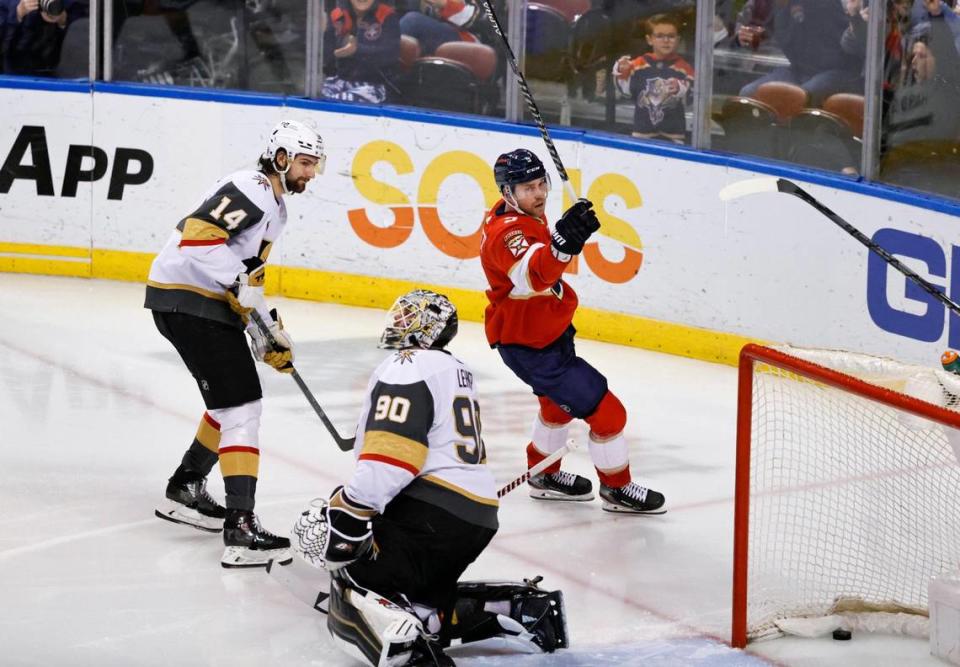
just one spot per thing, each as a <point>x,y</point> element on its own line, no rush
<point>658,83</point>
<point>754,24</point>
<point>435,22</point>
<point>854,42</point>
<point>361,52</point>
<point>924,11</point>
<point>33,32</point>
<point>926,97</point>
<point>809,32</point>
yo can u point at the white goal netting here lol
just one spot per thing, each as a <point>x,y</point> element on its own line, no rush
<point>853,502</point>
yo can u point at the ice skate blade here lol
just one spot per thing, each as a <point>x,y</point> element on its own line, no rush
<point>621,509</point>
<point>177,513</point>
<point>544,494</point>
<point>238,557</point>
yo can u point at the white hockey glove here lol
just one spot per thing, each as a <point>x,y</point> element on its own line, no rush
<point>247,293</point>
<point>279,356</point>
<point>333,534</point>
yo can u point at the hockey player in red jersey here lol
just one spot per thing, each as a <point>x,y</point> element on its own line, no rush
<point>202,287</point>
<point>528,321</point>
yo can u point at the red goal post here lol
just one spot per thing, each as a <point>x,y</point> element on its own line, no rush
<point>845,489</point>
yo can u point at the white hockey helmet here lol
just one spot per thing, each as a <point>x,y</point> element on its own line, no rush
<point>420,318</point>
<point>296,139</point>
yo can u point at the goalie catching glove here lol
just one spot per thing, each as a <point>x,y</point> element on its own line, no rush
<point>277,353</point>
<point>573,229</point>
<point>333,534</point>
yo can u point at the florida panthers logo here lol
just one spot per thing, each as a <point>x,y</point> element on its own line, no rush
<point>657,98</point>
<point>516,242</point>
<point>371,31</point>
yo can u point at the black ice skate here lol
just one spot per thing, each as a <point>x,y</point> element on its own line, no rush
<point>632,499</point>
<point>249,545</point>
<point>560,486</point>
<point>190,504</point>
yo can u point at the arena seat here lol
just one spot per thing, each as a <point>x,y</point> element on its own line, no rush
<point>478,58</point>
<point>850,108</point>
<point>749,126</point>
<point>409,52</point>
<point>818,138</point>
<point>785,98</point>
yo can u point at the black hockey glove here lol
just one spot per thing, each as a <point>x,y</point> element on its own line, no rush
<point>573,229</point>
<point>351,534</point>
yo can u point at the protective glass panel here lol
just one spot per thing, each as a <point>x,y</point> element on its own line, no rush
<point>46,38</point>
<point>788,79</point>
<point>239,44</point>
<point>920,132</point>
<point>434,54</point>
<point>614,65</point>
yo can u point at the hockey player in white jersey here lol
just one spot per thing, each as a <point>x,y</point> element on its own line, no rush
<point>420,506</point>
<point>202,287</point>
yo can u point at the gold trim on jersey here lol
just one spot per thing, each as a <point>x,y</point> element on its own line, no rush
<point>338,500</point>
<point>492,502</point>
<point>395,446</point>
<point>195,229</point>
<point>265,248</point>
<point>189,288</point>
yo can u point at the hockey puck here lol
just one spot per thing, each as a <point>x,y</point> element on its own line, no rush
<point>841,634</point>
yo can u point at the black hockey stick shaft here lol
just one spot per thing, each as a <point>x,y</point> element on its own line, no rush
<point>791,188</point>
<point>345,444</point>
<point>531,103</point>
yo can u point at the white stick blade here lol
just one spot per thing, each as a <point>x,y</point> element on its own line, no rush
<point>749,186</point>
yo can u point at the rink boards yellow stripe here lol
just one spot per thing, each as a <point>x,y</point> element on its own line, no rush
<point>378,292</point>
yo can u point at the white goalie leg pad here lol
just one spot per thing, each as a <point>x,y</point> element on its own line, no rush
<point>608,454</point>
<point>239,426</point>
<point>367,626</point>
<point>548,438</point>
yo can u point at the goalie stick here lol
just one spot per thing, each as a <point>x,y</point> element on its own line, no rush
<point>769,184</point>
<point>345,444</point>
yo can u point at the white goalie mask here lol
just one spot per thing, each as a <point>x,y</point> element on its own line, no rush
<point>295,139</point>
<point>420,318</point>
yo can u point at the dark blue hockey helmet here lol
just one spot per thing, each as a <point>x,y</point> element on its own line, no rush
<point>518,166</point>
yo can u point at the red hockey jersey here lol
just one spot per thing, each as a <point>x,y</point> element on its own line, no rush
<point>529,302</point>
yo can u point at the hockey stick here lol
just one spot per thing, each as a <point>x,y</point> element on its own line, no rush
<point>345,444</point>
<point>539,468</point>
<point>308,584</point>
<point>768,184</point>
<point>531,103</point>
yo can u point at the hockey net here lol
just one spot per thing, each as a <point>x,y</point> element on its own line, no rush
<point>847,489</point>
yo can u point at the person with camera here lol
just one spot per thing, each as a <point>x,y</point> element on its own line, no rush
<point>33,32</point>
<point>529,322</point>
